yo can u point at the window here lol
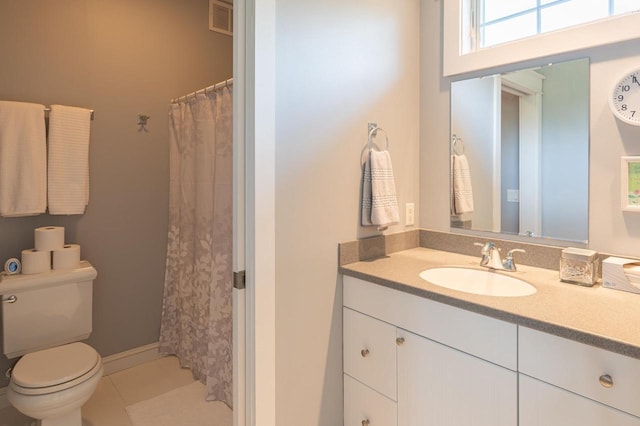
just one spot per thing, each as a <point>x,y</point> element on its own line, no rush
<point>480,34</point>
<point>501,21</point>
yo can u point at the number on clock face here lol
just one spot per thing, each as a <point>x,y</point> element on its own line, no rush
<point>625,102</point>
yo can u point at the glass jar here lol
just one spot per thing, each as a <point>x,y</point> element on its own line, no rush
<point>579,266</point>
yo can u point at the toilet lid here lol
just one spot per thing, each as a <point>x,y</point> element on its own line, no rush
<point>51,367</point>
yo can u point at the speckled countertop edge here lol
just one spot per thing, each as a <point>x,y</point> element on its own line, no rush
<point>600,317</point>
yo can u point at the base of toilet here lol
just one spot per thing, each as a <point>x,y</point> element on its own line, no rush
<point>71,419</point>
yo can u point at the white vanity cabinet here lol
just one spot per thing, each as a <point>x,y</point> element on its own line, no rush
<point>567,383</point>
<point>410,361</point>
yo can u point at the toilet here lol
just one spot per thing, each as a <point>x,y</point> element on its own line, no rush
<point>44,318</point>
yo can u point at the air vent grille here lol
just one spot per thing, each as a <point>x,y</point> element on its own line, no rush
<point>221,17</point>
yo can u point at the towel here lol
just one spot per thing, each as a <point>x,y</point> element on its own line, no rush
<point>69,129</point>
<point>23,159</point>
<point>379,202</point>
<point>462,196</point>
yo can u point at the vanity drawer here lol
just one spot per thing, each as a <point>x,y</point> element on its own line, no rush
<point>365,407</point>
<point>369,351</point>
<point>604,376</point>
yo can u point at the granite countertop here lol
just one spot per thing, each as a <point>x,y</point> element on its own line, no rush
<point>601,317</point>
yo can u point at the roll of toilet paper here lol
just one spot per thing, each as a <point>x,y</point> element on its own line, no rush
<point>35,261</point>
<point>49,238</point>
<point>67,257</point>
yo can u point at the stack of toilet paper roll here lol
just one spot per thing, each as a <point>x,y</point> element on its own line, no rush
<point>50,250</point>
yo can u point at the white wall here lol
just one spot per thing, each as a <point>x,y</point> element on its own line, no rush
<point>471,103</point>
<point>339,65</point>
<point>565,127</point>
<point>610,230</point>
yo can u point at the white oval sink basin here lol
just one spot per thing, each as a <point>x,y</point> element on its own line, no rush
<point>475,281</point>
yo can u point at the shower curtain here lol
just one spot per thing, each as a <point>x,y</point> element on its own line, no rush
<point>196,321</point>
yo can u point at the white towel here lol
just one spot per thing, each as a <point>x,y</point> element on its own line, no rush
<point>69,129</point>
<point>23,159</point>
<point>462,195</point>
<point>379,202</point>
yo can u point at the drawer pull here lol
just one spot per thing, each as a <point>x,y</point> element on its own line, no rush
<point>400,341</point>
<point>606,381</point>
<point>366,422</point>
<point>364,353</point>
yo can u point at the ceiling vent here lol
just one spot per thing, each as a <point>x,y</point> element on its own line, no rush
<point>221,17</point>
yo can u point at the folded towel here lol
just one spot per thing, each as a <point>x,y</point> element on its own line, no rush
<point>23,159</point>
<point>379,202</point>
<point>69,129</point>
<point>461,185</point>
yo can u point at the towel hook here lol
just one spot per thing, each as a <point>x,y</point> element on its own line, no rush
<point>373,132</point>
<point>454,142</point>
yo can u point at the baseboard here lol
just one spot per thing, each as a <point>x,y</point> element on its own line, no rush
<point>131,358</point>
<point>113,363</point>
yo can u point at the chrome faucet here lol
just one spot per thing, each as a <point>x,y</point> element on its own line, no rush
<point>491,257</point>
<point>508,264</point>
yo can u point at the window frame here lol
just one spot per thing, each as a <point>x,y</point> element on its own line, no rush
<point>610,30</point>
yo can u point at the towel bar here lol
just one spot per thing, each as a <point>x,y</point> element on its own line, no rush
<point>47,109</point>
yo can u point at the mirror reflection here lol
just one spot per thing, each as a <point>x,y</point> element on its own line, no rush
<point>520,152</point>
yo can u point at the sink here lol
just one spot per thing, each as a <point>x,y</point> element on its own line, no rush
<point>488,283</point>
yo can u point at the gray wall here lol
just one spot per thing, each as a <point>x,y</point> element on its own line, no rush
<point>121,58</point>
<point>339,64</point>
<point>510,159</point>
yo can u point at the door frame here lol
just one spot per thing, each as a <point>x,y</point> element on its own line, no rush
<point>254,200</point>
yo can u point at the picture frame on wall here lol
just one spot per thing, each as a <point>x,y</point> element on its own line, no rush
<point>630,183</point>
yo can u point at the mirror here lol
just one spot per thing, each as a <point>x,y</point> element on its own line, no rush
<point>520,152</point>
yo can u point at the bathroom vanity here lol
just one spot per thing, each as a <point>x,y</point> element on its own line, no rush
<point>416,354</point>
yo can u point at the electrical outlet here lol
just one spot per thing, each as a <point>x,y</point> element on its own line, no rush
<point>409,214</point>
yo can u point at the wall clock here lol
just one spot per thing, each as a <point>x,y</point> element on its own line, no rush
<point>625,99</point>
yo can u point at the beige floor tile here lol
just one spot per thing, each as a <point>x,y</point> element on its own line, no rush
<point>11,417</point>
<point>150,379</point>
<point>105,407</point>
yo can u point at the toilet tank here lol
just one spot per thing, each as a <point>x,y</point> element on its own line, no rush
<point>45,310</point>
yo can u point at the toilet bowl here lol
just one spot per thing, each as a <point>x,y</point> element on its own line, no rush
<point>51,385</point>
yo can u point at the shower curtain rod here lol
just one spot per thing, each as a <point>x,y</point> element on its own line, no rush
<point>207,89</point>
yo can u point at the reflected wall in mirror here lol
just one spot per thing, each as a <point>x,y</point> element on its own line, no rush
<point>520,152</point>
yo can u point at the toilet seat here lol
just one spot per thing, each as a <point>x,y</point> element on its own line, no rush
<point>55,369</point>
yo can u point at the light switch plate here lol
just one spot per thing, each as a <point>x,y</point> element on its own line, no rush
<point>513,195</point>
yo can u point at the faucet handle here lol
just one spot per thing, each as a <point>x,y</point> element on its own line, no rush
<point>508,264</point>
<point>510,252</point>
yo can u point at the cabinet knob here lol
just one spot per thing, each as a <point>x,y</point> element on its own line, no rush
<point>400,341</point>
<point>606,381</point>
<point>364,353</point>
<point>366,422</point>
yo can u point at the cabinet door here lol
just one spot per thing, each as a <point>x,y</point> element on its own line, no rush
<point>542,404</point>
<point>365,407</point>
<point>440,386</point>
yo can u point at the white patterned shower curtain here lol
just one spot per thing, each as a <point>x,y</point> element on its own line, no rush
<point>197,309</point>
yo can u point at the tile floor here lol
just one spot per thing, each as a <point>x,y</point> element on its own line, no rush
<point>107,405</point>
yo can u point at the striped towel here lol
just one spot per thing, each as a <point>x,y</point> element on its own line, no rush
<point>462,196</point>
<point>379,202</point>
<point>69,129</point>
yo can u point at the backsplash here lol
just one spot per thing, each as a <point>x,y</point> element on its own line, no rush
<point>541,256</point>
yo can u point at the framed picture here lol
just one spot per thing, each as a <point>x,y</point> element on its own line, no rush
<point>630,184</point>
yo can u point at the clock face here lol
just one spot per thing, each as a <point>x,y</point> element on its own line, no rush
<point>625,100</point>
